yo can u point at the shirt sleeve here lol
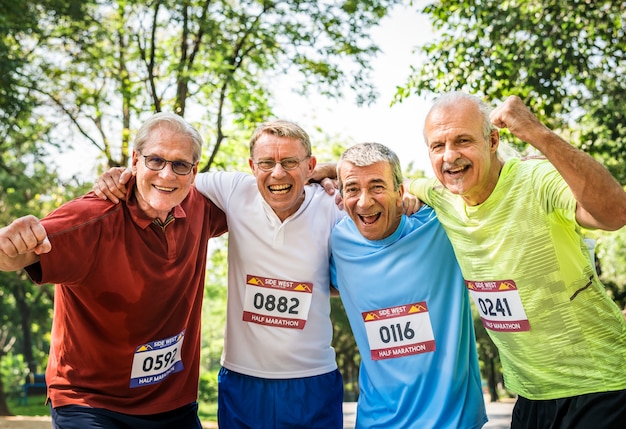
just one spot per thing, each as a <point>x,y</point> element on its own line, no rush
<point>421,188</point>
<point>554,193</point>
<point>219,186</point>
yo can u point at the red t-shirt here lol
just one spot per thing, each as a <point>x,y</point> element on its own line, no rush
<point>127,305</point>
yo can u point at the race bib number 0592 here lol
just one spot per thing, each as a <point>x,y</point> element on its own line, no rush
<point>153,362</point>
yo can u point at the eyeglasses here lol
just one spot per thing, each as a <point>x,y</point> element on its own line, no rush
<point>156,163</point>
<point>287,163</point>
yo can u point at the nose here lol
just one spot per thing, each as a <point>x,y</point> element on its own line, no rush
<point>167,171</point>
<point>278,170</point>
<point>364,199</point>
<point>450,154</point>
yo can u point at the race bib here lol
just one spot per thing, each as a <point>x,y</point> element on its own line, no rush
<point>155,361</point>
<point>399,331</point>
<point>499,305</point>
<point>275,302</point>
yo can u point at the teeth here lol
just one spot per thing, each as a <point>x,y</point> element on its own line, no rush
<point>370,218</point>
<point>160,188</point>
<point>279,189</point>
<point>456,169</point>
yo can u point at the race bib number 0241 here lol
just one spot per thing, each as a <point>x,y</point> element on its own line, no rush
<point>155,361</point>
<point>499,305</point>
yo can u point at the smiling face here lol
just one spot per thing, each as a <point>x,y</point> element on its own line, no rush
<point>157,192</point>
<point>463,160</point>
<point>282,189</point>
<point>370,200</point>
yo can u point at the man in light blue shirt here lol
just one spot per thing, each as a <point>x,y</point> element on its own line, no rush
<point>406,301</point>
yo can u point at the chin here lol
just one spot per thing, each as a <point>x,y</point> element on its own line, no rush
<point>455,186</point>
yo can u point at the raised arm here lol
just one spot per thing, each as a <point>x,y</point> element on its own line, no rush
<point>22,242</point>
<point>601,200</point>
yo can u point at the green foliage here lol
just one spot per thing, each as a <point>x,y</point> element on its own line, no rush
<point>13,371</point>
<point>566,60</point>
<point>611,256</point>
<point>348,357</point>
<point>15,24</point>
<point>207,392</point>
<point>214,62</point>
<point>214,306</point>
<point>95,70</point>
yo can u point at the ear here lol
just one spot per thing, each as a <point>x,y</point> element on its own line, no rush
<point>312,164</point>
<point>251,164</point>
<point>194,170</point>
<point>400,198</point>
<point>494,140</point>
<point>134,161</point>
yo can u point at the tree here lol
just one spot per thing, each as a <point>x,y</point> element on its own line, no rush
<point>27,186</point>
<point>213,62</point>
<point>566,60</point>
<point>95,79</point>
<point>15,24</point>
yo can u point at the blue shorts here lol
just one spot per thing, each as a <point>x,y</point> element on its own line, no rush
<point>246,402</point>
<point>79,417</point>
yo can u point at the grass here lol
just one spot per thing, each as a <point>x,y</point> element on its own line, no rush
<point>207,411</point>
<point>36,407</point>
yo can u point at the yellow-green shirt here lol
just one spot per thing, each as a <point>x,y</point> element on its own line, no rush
<point>530,274</point>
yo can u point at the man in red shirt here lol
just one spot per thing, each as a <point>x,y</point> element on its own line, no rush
<point>129,283</point>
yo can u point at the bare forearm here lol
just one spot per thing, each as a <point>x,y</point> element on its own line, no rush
<point>601,200</point>
<point>18,262</point>
<point>324,170</point>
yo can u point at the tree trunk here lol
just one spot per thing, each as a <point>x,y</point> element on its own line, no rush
<point>493,391</point>
<point>4,408</point>
<point>24,308</point>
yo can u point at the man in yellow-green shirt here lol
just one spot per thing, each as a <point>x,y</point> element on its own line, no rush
<point>515,227</point>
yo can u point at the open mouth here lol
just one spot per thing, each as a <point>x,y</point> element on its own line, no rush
<point>456,170</point>
<point>279,189</point>
<point>369,219</point>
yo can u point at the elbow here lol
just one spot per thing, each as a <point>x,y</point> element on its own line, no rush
<point>617,222</point>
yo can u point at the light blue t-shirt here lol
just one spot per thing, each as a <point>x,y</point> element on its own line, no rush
<point>410,314</point>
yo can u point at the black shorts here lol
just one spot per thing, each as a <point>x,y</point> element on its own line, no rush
<point>604,410</point>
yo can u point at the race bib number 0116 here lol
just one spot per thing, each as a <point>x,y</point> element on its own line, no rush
<point>399,331</point>
<point>155,361</point>
<point>275,302</point>
<point>499,305</point>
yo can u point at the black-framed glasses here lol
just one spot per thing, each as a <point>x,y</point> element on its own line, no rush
<point>156,163</point>
<point>287,163</point>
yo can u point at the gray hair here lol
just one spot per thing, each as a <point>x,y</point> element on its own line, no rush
<point>365,154</point>
<point>174,123</point>
<point>453,98</point>
<point>281,128</point>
